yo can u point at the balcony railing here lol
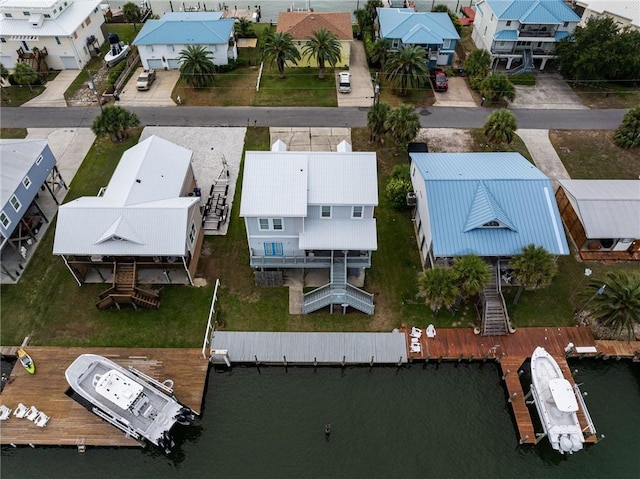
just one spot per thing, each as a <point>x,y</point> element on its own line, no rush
<point>363,261</point>
<point>536,33</point>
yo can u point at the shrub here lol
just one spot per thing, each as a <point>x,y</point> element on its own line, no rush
<point>628,133</point>
<point>526,79</point>
<point>398,186</point>
<point>115,73</point>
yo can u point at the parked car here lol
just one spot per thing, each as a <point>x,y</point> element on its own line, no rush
<point>439,79</point>
<point>146,78</point>
<point>344,82</point>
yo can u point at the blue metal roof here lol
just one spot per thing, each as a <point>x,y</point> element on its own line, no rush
<point>186,28</point>
<point>490,204</point>
<point>533,11</point>
<point>560,35</point>
<point>418,28</point>
<point>506,35</point>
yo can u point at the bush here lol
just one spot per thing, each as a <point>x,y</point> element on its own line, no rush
<point>12,81</point>
<point>232,65</point>
<point>398,186</point>
<point>526,79</point>
<point>628,133</point>
<point>115,73</point>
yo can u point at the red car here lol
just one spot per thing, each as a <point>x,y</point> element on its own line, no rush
<point>439,79</point>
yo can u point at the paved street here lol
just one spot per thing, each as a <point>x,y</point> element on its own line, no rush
<point>435,117</point>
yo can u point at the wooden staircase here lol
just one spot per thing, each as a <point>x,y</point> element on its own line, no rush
<point>495,319</point>
<point>216,209</point>
<point>124,290</point>
<point>36,59</point>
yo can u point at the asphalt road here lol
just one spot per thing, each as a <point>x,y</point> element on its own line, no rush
<point>436,117</point>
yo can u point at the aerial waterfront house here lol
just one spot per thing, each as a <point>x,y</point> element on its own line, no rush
<point>626,13</point>
<point>433,31</point>
<point>56,34</point>
<point>147,219</point>
<point>312,210</point>
<point>522,30</point>
<point>602,217</point>
<point>302,25</point>
<point>160,41</point>
<point>28,168</point>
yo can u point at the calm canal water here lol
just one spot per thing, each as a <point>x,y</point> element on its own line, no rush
<point>441,421</point>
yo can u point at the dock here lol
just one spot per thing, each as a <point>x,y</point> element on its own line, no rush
<point>73,425</point>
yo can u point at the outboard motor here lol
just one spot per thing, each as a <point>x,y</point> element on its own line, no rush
<point>185,416</point>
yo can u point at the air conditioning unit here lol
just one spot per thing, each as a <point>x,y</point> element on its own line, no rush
<point>411,198</point>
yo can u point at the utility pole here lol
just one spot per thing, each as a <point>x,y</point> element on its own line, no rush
<point>92,86</point>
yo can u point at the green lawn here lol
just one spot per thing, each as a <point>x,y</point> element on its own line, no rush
<point>607,95</point>
<point>13,96</point>
<point>6,133</point>
<point>299,87</point>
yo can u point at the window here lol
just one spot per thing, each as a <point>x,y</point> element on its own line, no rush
<point>485,32</point>
<point>192,233</point>
<point>263,223</point>
<point>325,212</point>
<point>508,23</point>
<point>501,44</point>
<point>273,249</point>
<point>3,40</point>
<point>84,49</point>
<point>491,18</point>
<point>75,35</point>
<point>565,24</point>
<point>8,15</point>
<point>4,219</point>
<point>39,160</point>
<point>356,212</point>
<point>26,14</point>
<point>15,202</point>
<point>46,15</point>
<point>277,224</point>
<point>26,182</point>
<point>88,21</point>
<point>446,44</point>
<point>57,40</point>
<point>395,43</point>
<point>266,224</point>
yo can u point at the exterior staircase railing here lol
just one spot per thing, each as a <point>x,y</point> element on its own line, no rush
<point>495,319</point>
<point>526,66</point>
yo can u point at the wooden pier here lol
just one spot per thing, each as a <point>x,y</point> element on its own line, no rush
<point>73,425</point>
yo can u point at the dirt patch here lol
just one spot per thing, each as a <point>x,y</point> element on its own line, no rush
<point>446,140</point>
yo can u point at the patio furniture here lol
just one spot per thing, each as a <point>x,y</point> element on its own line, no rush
<point>20,411</point>
<point>416,348</point>
<point>32,413</point>
<point>416,332</point>
<point>5,412</point>
<point>431,331</point>
<point>42,419</point>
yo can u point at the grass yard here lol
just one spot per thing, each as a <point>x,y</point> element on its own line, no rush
<point>13,96</point>
<point>480,144</point>
<point>594,155</point>
<point>11,133</point>
<point>607,95</point>
<point>299,87</point>
<point>234,88</point>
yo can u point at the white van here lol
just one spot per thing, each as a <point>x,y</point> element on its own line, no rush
<point>345,82</point>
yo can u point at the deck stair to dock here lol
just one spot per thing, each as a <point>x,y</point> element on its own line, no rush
<point>216,208</point>
<point>495,319</point>
<point>526,66</point>
<point>338,291</point>
<point>124,290</point>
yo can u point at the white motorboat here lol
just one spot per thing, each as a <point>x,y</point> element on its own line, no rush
<point>555,400</point>
<point>128,401</point>
<point>117,50</point>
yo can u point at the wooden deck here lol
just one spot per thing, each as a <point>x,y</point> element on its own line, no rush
<point>72,424</point>
<point>511,352</point>
<point>619,349</point>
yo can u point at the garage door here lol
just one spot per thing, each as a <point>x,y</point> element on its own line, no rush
<point>443,59</point>
<point>69,63</point>
<point>7,62</point>
<point>155,63</point>
<point>174,63</point>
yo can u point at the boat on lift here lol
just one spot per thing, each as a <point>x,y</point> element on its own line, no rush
<point>127,400</point>
<point>555,400</point>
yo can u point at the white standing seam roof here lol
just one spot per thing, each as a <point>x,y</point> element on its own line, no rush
<point>339,234</point>
<point>62,26</point>
<point>149,218</point>
<point>606,208</point>
<point>16,159</point>
<point>284,183</point>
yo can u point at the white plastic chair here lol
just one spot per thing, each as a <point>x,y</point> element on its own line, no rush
<point>42,419</point>
<point>5,412</point>
<point>416,332</point>
<point>20,411</point>
<point>32,413</point>
<point>416,348</point>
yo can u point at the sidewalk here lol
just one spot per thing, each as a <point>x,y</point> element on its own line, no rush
<point>53,94</point>
<point>543,154</point>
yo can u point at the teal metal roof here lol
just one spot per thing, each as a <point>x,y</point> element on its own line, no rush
<point>416,28</point>
<point>533,11</point>
<point>490,204</point>
<point>186,28</point>
<point>506,35</point>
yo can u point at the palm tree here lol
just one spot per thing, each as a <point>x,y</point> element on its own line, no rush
<point>278,48</point>
<point>376,120</point>
<point>616,305</point>
<point>196,66</point>
<point>500,126</point>
<point>404,124</point>
<point>477,67</point>
<point>534,268</point>
<point>472,274</point>
<point>496,87</point>
<point>114,121</point>
<point>325,47</point>
<point>24,75</point>
<point>439,288</point>
<point>131,13</point>
<point>379,51</point>
<point>407,68</point>
<point>244,28</point>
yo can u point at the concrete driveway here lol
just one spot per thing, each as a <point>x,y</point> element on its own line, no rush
<point>550,92</point>
<point>361,84</point>
<point>53,94</point>
<point>458,94</point>
<point>158,95</point>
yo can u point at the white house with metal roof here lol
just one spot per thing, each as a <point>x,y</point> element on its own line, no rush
<point>148,215</point>
<point>602,217</point>
<point>160,41</point>
<point>67,31</point>
<point>307,209</point>
<point>626,13</point>
<point>522,30</point>
<point>489,204</point>
<point>27,167</point>
<point>433,31</point>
